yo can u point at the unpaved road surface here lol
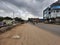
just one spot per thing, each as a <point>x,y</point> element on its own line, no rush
<point>29,35</point>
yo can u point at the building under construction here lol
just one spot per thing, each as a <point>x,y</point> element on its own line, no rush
<point>52,13</point>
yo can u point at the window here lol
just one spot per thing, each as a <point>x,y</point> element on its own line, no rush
<point>57,11</point>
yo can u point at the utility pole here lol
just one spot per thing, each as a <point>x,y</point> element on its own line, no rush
<point>13,17</point>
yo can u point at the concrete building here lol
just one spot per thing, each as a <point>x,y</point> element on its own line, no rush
<point>46,13</point>
<point>8,22</point>
<point>52,13</point>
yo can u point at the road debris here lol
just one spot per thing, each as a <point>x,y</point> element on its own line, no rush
<point>16,37</point>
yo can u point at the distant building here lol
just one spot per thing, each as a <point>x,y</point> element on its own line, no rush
<point>8,22</point>
<point>35,20</point>
<point>52,13</point>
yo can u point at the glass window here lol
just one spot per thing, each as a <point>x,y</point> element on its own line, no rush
<point>57,10</point>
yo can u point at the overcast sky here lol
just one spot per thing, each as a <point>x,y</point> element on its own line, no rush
<point>24,8</point>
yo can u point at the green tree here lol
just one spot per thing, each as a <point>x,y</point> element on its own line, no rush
<point>19,19</point>
<point>1,18</point>
<point>8,18</point>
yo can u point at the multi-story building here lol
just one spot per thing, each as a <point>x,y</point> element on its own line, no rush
<point>46,13</point>
<point>52,13</point>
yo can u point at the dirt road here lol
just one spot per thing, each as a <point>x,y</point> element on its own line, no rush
<point>29,35</point>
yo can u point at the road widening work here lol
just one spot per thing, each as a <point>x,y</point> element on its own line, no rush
<point>28,34</point>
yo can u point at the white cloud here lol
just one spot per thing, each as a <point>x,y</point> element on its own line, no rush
<point>25,8</point>
<point>1,11</point>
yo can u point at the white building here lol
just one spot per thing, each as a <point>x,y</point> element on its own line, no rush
<point>52,13</point>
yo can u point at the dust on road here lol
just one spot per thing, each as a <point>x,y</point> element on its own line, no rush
<point>29,35</point>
